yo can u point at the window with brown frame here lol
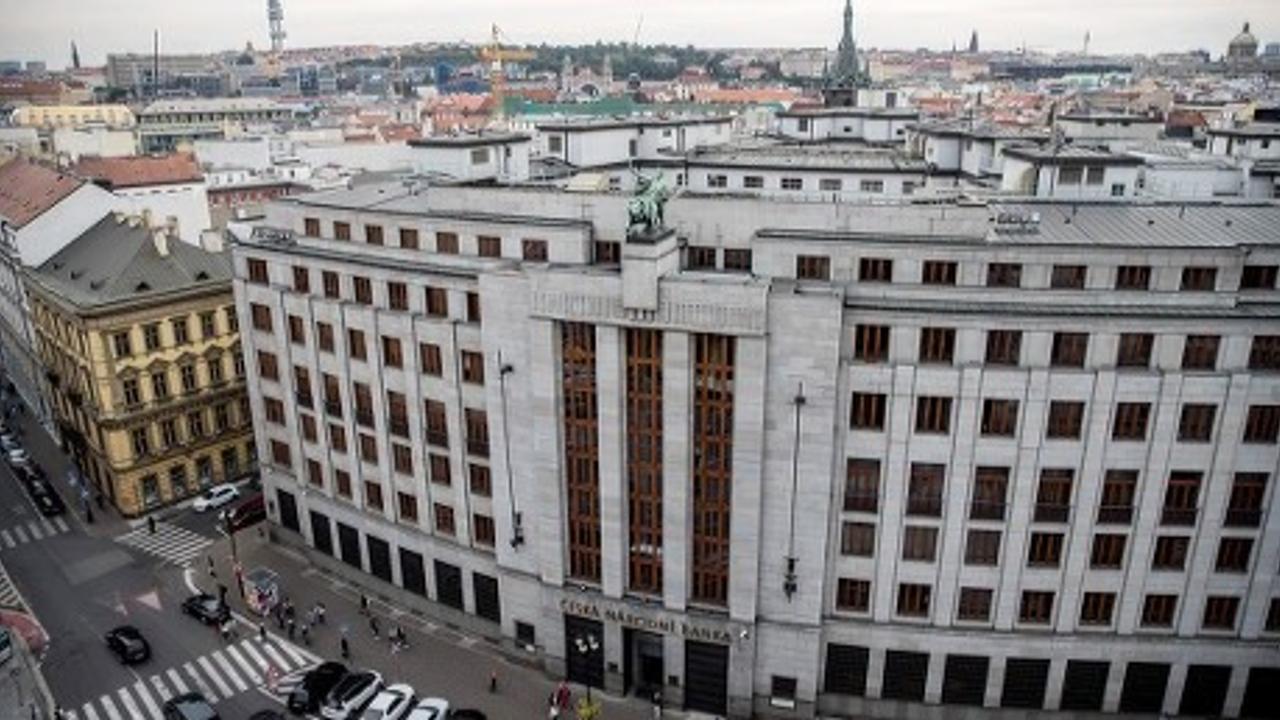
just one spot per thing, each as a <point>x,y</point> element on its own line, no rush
<point>324,336</point>
<point>938,272</point>
<point>924,490</point>
<point>644,438</point>
<point>392,356</point>
<point>482,529</point>
<point>337,438</point>
<point>871,343</point>
<point>974,604</point>
<point>1053,496</point>
<point>737,259</point>
<point>913,599</point>
<point>430,359</point>
<point>261,317</point>
<point>1196,423</point>
<point>373,495</point>
<point>315,474</point>
<point>933,414</point>
<point>472,367</point>
<point>438,469</point>
<point>342,483</point>
<point>437,425</point>
<point>1004,275</point>
<point>1118,490</point>
<point>862,485</point>
<point>409,238</point>
<point>875,270</point>
<point>407,507</point>
<point>402,459</point>
<point>999,417</point>
<point>398,296</point>
<point>1066,420</point>
<point>297,332</point>
<point>363,289</point>
<point>533,250</point>
<point>937,345</point>
<point>712,471</point>
<point>281,455</point>
<point>1133,277</point>
<point>268,368</point>
<point>1135,350</point>
<point>919,543</point>
<point>1262,424</point>
<point>1130,421</point>
<point>1158,610</point>
<point>1036,607</point>
<point>607,252</point>
<point>301,279</point>
<point>1170,553</point>
<point>1244,508</point>
<point>1044,549</point>
<point>397,414</point>
<point>1069,349</point>
<point>1068,277</point>
<point>990,490</point>
<point>1258,277</point>
<point>437,301</point>
<point>473,307</point>
<point>368,449</point>
<point>1233,555</point>
<point>356,347</point>
<point>373,234</point>
<point>1180,497</point>
<point>257,270</point>
<point>311,227</point>
<point>330,284</point>
<point>1097,608</point>
<point>479,480</point>
<point>1108,550</point>
<point>444,519</point>
<point>1220,612</point>
<point>341,230</point>
<point>1273,616</point>
<point>581,448</point>
<point>489,246</point>
<point>866,411</point>
<point>273,408</point>
<point>447,243</point>
<point>703,257</point>
<point>477,427</point>
<point>982,547</point>
<point>1202,278</point>
<point>857,539</point>
<point>813,267</point>
<point>1264,353</point>
<point>853,595</point>
<point>362,398</point>
<point>1004,347</point>
<point>1200,352</point>
<point>308,424</point>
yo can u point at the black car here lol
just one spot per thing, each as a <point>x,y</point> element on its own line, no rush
<point>206,608</point>
<point>467,714</point>
<point>266,715</point>
<point>190,706</point>
<point>45,498</point>
<point>315,685</point>
<point>128,644</point>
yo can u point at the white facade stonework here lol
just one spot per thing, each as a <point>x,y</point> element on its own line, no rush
<point>785,639</point>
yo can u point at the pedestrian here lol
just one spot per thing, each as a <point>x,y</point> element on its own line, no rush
<point>306,634</point>
<point>151,524</point>
<point>222,593</point>
<point>553,708</point>
<point>493,681</point>
<point>262,632</point>
<point>209,561</point>
<point>364,604</point>
<point>346,650</point>
<point>226,630</point>
<point>292,628</point>
<point>563,695</point>
<point>278,611</point>
<point>320,612</point>
<point>657,705</point>
<point>373,625</point>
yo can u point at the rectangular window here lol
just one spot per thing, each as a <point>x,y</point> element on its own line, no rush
<point>1158,610</point>
<point>867,410</point>
<point>1203,279</point>
<point>257,271</point>
<point>482,529</point>
<point>472,367</point>
<point>477,429</point>
<point>1053,496</point>
<point>813,267</point>
<point>533,250</point>
<point>297,332</point>
<point>1036,607</point>
<point>356,347</point>
<point>430,359</point>
<point>717,181</point>
<point>713,405</point>
<point>853,595</point>
<point>862,485</point>
<point>792,183</point>
<point>308,427</point>
<point>180,328</point>
<point>1196,423</point>
<point>737,259</point>
<point>1044,549</point>
<point>1180,498</point>
<point>268,369</point>
<point>1200,352</point>
<point>1170,553</point>
<point>644,409</point>
<point>938,272</point>
<point>1066,419</point>
<point>368,449</point>
<point>1135,350</point>
<point>444,519</point>
<point>409,238</point>
<point>373,234</point>
<point>479,480</point>
<point>473,307</point>
<point>1220,612</point>
<point>1097,608</point>
<point>363,289</point>
<point>398,296</point>
<point>1118,490</point>
<point>1004,347</point>
<point>830,184</point>
<point>1133,277</point>
<point>702,257</point>
<point>1262,424</point>
<point>607,252</point>
<point>261,316</point>
<point>402,459</point>
<point>982,547</point>
<point>1273,616</point>
<point>937,345</point>
<point>311,227</point>
<point>391,354</point>
<point>330,285</point>
<point>933,415</point>
<point>1004,275</point>
<point>857,539</point>
<point>324,336</point>
<point>913,600</point>
<point>1258,277</point>
<point>280,454</point>
<point>582,472</point>
<point>397,414</point>
<point>437,425</point>
<point>489,246</point>
<point>341,231</point>
<point>1069,349</point>
<point>1108,551</point>
<point>1130,421</point>
<point>407,507</point>
<point>1244,509</point>
<point>990,490</point>
<point>1233,555</point>
<point>924,492</point>
<point>753,182</point>
<point>871,343</point>
<point>871,186</point>
<point>919,543</point>
<point>1068,277</point>
<point>120,343</point>
<point>875,270</point>
<point>447,243</point>
<point>440,473</point>
<point>974,604</point>
<point>999,417</point>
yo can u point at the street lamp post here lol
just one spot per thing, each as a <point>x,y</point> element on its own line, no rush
<point>587,646</point>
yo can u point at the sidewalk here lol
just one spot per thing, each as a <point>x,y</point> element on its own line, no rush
<point>440,661</point>
<point>25,696</point>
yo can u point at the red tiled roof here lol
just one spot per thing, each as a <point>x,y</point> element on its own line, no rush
<point>139,170</point>
<point>27,189</point>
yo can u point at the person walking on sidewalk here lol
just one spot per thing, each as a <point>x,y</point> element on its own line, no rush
<point>306,634</point>
<point>563,696</point>
<point>373,625</point>
<point>553,707</point>
<point>151,524</point>
<point>319,613</point>
<point>292,627</point>
<point>262,632</point>
<point>344,647</point>
<point>364,604</point>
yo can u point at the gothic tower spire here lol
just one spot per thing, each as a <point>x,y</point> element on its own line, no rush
<point>847,70</point>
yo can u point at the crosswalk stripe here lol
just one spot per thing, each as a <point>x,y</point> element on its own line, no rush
<point>200,683</point>
<point>176,680</point>
<point>253,652</point>
<point>89,712</point>
<point>109,707</point>
<point>281,664</point>
<point>162,690</point>
<point>293,652</point>
<point>245,666</point>
<point>62,524</point>
<point>230,671</point>
<point>140,689</point>
<point>21,534</point>
<point>129,705</point>
<point>8,539</point>
<point>34,527</point>
<point>71,714</point>
<point>223,687</point>
<point>49,529</point>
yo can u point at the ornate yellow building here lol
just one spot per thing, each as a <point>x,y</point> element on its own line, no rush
<point>139,337</point>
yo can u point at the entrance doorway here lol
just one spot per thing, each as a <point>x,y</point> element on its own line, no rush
<point>584,650</point>
<point>642,666</point>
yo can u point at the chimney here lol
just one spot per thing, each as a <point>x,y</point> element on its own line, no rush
<point>160,236</point>
<point>171,226</point>
<point>146,218</point>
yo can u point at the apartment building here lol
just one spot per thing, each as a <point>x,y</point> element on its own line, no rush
<point>791,458</point>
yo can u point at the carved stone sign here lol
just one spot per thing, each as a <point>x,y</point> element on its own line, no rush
<point>655,623</point>
<point>672,312</point>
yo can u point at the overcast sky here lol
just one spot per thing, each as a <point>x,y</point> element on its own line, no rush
<point>44,29</point>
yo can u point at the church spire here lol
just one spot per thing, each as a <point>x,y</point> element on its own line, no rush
<point>847,70</point>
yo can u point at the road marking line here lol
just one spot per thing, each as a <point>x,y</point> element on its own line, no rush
<point>19,533</point>
<point>35,530</point>
<point>49,529</point>
<point>223,687</point>
<point>8,540</point>
<point>245,666</point>
<point>130,706</point>
<point>229,670</point>
<point>176,680</point>
<point>89,712</point>
<point>71,715</point>
<point>140,689</point>
<point>253,652</point>
<point>292,651</point>
<point>109,707</point>
<point>200,684</point>
<point>62,524</point>
<point>281,663</point>
<point>161,689</point>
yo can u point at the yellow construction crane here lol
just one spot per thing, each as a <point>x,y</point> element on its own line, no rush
<point>495,55</point>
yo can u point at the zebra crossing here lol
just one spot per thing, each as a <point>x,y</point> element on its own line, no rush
<point>9,597</point>
<point>173,544</point>
<point>31,531</point>
<point>275,666</point>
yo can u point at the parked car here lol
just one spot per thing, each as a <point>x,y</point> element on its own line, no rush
<point>430,709</point>
<point>393,703</point>
<point>206,608</point>
<point>45,497</point>
<point>216,497</point>
<point>189,706</point>
<point>128,644</point>
<point>252,510</point>
<point>351,695</point>
<point>315,685</point>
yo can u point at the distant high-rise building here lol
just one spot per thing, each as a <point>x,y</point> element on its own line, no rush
<point>973,43</point>
<point>75,56</point>
<point>275,21</point>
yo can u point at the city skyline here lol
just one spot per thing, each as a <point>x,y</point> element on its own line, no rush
<point>1171,26</point>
